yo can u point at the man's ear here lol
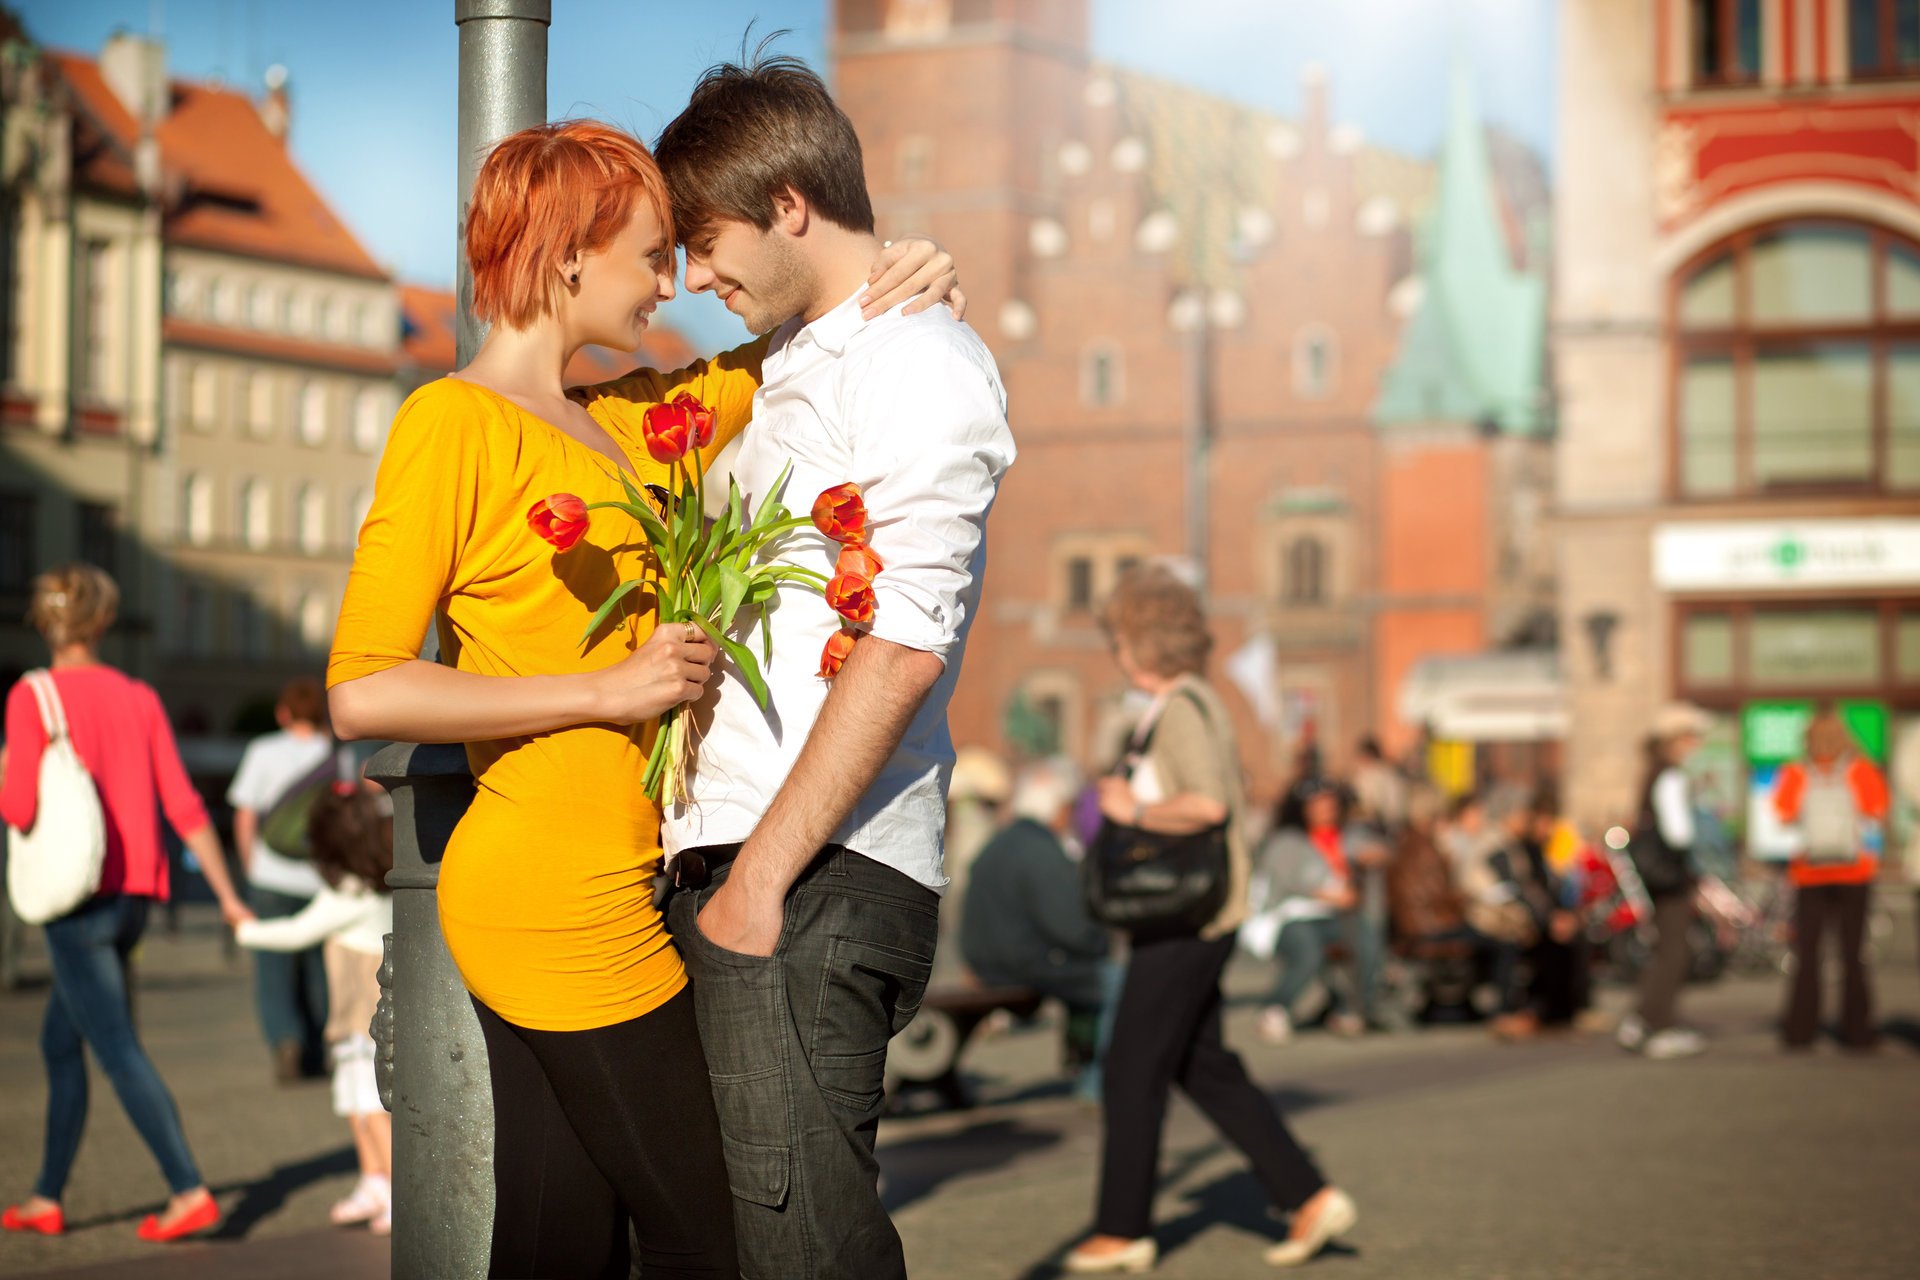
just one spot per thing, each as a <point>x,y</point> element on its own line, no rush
<point>790,212</point>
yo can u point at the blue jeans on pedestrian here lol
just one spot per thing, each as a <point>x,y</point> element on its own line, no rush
<point>290,987</point>
<point>1302,948</point>
<point>91,1006</point>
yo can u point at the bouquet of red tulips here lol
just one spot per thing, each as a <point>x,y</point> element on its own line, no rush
<point>707,572</point>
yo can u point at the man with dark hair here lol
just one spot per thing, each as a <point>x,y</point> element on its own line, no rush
<point>807,858</point>
<point>289,988</point>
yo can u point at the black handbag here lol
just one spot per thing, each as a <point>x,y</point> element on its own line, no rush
<point>1151,884</point>
<point>1663,869</point>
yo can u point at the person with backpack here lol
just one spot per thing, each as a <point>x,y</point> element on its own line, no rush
<point>85,722</point>
<point>350,840</point>
<point>1660,851</point>
<point>280,775</point>
<point>1837,801</point>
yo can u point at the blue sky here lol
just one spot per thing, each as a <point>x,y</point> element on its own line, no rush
<point>373,82</point>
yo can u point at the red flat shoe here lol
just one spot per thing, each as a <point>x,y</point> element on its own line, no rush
<point>53,1222</point>
<point>196,1220</point>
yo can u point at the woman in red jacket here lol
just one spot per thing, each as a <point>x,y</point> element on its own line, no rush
<point>120,732</point>
<point>1837,800</point>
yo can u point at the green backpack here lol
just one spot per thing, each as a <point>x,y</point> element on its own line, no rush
<point>284,829</point>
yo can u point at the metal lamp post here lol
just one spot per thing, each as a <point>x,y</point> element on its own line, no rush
<point>432,1059</point>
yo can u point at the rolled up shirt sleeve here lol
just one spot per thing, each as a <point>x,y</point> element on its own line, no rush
<point>932,444</point>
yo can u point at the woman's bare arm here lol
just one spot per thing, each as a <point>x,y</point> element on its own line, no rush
<point>424,702</point>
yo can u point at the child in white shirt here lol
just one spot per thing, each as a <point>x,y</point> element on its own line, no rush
<point>350,836</point>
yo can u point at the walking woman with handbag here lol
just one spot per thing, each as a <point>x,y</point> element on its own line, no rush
<point>1180,802</point>
<point>119,732</point>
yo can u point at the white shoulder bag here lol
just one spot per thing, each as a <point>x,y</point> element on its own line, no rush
<point>55,868</point>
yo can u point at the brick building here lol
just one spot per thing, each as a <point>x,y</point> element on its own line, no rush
<point>1737,342</point>
<point>1194,304</point>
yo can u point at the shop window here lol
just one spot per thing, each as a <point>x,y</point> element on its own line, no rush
<point>1883,37</point>
<point>1726,41</point>
<point>1906,648</point>
<point>1706,650</point>
<point>1814,649</point>
<point>1783,337</point>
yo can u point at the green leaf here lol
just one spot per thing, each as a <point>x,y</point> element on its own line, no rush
<point>620,593</point>
<point>734,588</point>
<point>736,506</point>
<point>643,512</point>
<point>749,669</point>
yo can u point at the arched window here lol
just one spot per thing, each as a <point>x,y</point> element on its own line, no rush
<point>372,409</point>
<point>256,514</point>
<point>1782,335</point>
<point>313,413</point>
<point>316,622</point>
<point>1303,572</point>
<point>313,518</point>
<point>196,509</point>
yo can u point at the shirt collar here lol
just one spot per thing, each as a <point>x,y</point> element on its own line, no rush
<point>832,331</point>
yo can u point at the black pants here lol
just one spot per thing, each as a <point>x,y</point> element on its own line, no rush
<point>797,1042</point>
<point>596,1130</point>
<point>1167,1032</point>
<point>1844,908</point>
<point>1559,988</point>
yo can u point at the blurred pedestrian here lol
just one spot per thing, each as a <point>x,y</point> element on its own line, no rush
<point>1837,802</point>
<point>120,732</point>
<point>1558,961</point>
<point>1024,920</point>
<point>1661,851</point>
<point>1184,778</point>
<point>1379,790</point>
<point>350,834</point>
<point>279,775</point>
<point>1308,881</point>
<point>1483,869</point>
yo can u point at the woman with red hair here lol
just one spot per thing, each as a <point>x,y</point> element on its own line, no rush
<point>602,1110</point>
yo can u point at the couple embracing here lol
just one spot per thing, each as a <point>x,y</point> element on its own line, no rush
<point>708,1073</point>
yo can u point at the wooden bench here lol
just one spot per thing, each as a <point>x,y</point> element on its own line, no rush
<point>927,1054</point>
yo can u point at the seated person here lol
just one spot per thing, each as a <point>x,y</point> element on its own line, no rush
<point>1428,904</point>
<point>1024,922</point>
<point>1307,867</point>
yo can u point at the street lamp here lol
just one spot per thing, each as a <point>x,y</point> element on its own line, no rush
<point>1196,312</point>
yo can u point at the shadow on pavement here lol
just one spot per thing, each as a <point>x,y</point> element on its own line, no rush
<point>915,1168</point>
<point>1906,1029</point>
<point>261,1199</point>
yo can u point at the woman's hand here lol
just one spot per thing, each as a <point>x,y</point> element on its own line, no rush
<point>1116,801</point>
<point>672,667</point>
<point>910,266</point>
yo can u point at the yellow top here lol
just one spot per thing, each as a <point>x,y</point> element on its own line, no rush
<point>544,891</point>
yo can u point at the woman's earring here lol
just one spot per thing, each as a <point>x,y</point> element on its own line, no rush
<point>574,280</point>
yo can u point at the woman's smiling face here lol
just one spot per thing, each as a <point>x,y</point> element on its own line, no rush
<point>621,284</point>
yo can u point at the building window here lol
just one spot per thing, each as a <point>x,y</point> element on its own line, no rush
<point>1726,41</point>
<point>96,286</point>
<point>225,297</point>
<point>1784,334</point>
<point>316,623</point>
<point>325,316</point>
<point>313,519</point>
<point>358,504</point>
<point>98,539</point>
<point>1100,376</point>
<point>1303,575</point>
<point>370,414</point>
<point>1314,355</point>
<point>313,413</point>
<point>263,307</point>
<point>256,393</point>
<point>17,564</point>
<point>300,313</point>
<point>1883,37</point>
<point>203,396</point>
<point>256,514</point>
<point>1791,649</point>
<point>196,509</point>
<point>1080,583</point>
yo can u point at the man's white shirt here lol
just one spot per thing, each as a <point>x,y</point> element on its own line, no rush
<point>911,408</point>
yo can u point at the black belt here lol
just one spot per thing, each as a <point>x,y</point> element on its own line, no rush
<point>694,868</point>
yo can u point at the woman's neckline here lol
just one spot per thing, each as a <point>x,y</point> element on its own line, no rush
<point>624,462</point>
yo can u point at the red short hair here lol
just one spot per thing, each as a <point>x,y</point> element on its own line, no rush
<point>545,194</point>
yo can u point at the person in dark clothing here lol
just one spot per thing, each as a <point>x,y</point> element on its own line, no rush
<point>1024,922</point>
<point>1558,989</point>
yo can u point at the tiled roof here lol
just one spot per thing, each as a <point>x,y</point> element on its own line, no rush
<point>428,341</point>
<point>232,185</point>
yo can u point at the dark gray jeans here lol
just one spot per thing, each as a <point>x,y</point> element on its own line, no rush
<point>796,1046</point>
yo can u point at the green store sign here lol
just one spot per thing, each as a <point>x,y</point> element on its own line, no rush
<point>1774,732</point>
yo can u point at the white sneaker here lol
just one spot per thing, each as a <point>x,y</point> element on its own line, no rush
<point>1276,1027</point>
<point>1675,1042</point>
<point>1632,1034</point>
<point>370,1198</point>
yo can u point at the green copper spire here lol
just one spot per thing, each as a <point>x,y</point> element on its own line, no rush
<point>1473,349</point>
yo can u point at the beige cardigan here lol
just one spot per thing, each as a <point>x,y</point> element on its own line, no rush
<point>1195,753</point>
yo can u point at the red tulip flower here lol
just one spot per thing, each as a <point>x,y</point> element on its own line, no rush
<point>841,514</point>
<point>668,429</point>
<point>839,645</point>
<point>851,597</point>
<point>702,418</point>
<point>858,561</point>
<point>560,519</point>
